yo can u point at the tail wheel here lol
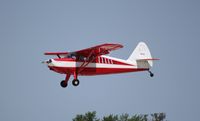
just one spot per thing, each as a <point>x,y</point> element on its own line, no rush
<point>150,73</point>
<point>75,82</point>
<point>63,83</point>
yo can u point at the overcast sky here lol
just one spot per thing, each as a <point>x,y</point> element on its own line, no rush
<point>30,92</point>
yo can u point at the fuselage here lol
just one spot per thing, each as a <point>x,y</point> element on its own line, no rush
<point>98,66</point>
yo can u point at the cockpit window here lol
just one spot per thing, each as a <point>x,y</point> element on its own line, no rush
<point>71,55</point>
<point>82,58</point>
<point>76,57</point>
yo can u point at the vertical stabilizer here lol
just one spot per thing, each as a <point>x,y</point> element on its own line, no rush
<point>142,56</point>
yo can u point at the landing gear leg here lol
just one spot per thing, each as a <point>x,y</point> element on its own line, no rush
<point>64,83</point>
<point>150,73</point>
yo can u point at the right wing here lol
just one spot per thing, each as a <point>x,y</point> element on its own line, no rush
<point>98,50</point>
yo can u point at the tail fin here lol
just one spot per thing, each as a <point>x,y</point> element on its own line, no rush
<point>142,56</point>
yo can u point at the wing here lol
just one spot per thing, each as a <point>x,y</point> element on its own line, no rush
<point>98,50</point>
<point>59,54</point>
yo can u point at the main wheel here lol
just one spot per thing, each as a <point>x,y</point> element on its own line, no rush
<point>63,83</point>
<point>75,82</point>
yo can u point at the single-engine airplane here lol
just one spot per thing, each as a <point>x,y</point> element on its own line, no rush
<point>93,61</point>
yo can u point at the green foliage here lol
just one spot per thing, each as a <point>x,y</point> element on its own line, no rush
<point>138,118</point>
<point>91,116</point>
<point>124,117</point>
<point>110,118</point>
<point>158,116</point>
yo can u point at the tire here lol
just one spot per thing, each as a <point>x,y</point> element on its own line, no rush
<point>75,82</point>
<point>63,84</point>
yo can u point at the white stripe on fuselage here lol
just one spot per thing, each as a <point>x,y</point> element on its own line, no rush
<point>93,65</point>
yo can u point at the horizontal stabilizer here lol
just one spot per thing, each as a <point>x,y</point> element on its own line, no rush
<point>148,59</point>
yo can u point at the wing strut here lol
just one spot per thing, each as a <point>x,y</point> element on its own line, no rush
<point>86,61</point>
<point>89,59</point>
<point>58,56</point>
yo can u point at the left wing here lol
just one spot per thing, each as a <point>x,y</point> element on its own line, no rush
<point>59,54</point>
<point>56,53</point>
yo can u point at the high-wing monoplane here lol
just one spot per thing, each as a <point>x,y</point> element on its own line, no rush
<point>95,61</point>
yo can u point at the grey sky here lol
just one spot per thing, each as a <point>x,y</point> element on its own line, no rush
<point>29,91</point>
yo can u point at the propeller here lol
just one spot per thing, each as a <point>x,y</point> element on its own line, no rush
<point>48,61</point>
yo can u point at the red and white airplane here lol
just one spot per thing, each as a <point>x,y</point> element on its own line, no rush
<point>93,61</point>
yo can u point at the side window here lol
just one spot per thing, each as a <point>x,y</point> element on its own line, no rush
<point>99,60</point>
<point>102,60</point>
<point>111,61</point>
<point>105,60</point>
<point>108,61</point>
